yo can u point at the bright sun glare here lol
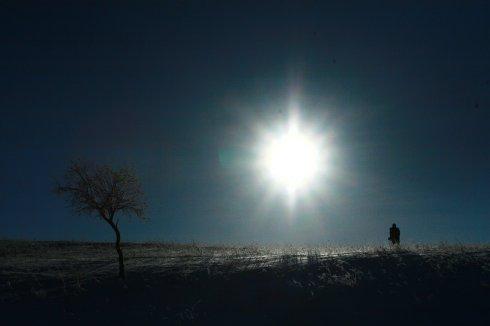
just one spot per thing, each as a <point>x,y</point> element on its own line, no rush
<point>292,159</point>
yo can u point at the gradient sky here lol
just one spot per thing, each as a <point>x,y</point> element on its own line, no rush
<point>178,89</point>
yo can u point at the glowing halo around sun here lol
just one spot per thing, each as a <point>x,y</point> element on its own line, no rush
<point>293,158</point>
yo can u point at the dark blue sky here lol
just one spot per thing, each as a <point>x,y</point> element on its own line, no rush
<point>176,88</point>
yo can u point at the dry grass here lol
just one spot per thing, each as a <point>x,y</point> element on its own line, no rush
<point>69,282</point>
<point>53,267</point>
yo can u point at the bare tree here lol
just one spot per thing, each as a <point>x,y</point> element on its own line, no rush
<point>104,191</point>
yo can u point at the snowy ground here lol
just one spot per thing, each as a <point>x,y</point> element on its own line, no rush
<point>63,282</point>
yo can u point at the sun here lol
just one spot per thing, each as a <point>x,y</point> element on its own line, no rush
<point>293,158</point>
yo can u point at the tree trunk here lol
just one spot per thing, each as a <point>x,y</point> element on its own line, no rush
<point>122,274</point>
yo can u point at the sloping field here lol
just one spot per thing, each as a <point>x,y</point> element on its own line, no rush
<point>61,282</point>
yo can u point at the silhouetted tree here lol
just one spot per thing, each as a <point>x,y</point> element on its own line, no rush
<point>104,191</point>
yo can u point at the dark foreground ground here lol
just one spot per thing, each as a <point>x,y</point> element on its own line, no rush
<point>74,283</point>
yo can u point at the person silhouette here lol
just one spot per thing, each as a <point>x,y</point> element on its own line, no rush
<point>394,234</point>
